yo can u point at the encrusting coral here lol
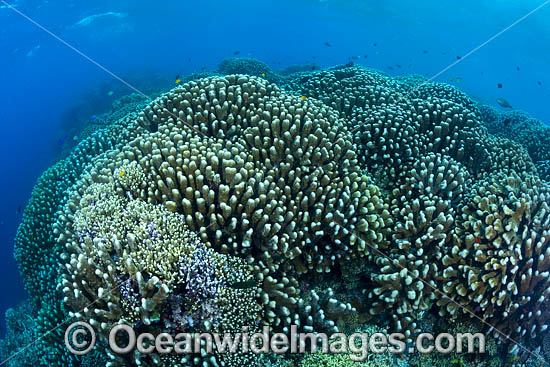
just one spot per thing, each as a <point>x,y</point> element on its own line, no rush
<point>229,202</point>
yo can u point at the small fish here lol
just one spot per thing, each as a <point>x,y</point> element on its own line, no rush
<point>374,44</point>
<point>19,209</point>
<point>355,57</point>
<point>110,93</point>
<point>517,68</point>
<point>451,80</point>
<point>459,57</point>
<point>122,173</point>
<point>458,79</point>
<point>263,75</point>
<point>398,66</point>
<point>425,51</point>
<point>303,98</point>
<point>93,118</point>
<point>503,103</point>
<point>243,285</point>
<point>313,67</point>
<point>327,44</point>
<point>177,81</point>
<point>236,52</point>
<point>499,85</point>
<point>539,83</point>
<point>390,67</point>
<point>365,56</point>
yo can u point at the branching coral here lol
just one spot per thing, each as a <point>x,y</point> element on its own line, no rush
<point>424,209</point>
<point>260,175</point>
<point>228,202</point>
<point>499,267</point>
<point>140,265</point>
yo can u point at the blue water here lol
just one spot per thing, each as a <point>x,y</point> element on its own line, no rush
<point>45,86</point>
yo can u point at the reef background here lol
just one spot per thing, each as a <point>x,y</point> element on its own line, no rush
<point>48,92</point>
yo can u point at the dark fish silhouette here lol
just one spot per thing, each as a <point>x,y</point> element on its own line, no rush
<point>398,66</point>
<point>425,51</point>
<point>499,85</point>
<point>243,285</point>
<point>539,83</point>
<point>517,68</point>
<point>355,57</point>
<point>349,64</point>
<point>459,57</point>
<point>374,44</point>
<point>327,44</point>
<point>236,52</point>
<point>19,209</point>
<point>390,67</point>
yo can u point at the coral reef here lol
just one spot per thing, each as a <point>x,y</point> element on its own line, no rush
<point>21,332</point>
<point>523,129</point>
<point>327,200</point>
<point>141,266</point>
<point>248,66</point>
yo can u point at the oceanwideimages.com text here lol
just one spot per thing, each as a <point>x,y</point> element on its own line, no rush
<point>80,339</point>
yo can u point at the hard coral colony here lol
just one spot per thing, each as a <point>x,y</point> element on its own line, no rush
<point>234,200</point>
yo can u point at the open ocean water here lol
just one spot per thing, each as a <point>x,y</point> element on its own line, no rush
<point>350,166</point>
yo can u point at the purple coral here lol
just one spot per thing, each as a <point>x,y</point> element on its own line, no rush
<point>197,301</point>
<point>153,233</point>
<point>128,290</point>
<point>199,273</point>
